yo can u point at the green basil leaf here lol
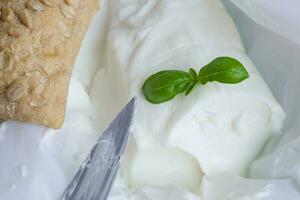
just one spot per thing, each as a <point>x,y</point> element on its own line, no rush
<point>165,85</point>
<point>193,74</point>
<point>223,70</point>
<point>190,87</point>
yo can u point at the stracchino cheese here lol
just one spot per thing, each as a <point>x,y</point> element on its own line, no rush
<point>217,128</point>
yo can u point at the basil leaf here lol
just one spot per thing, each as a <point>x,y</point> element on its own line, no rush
<point>223,70</point>
<point>193,74</point>
<point>165,85</point>
<point>190,87</point>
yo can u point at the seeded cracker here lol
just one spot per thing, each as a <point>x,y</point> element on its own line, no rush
<point>39,42</point>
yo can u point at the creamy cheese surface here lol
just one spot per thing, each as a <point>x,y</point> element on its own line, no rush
<point>178,149</point>
<point>218,128</point>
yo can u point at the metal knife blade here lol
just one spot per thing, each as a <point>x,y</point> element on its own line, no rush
<point>94,179</point>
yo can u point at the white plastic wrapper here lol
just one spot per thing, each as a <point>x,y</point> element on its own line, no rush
<point>273,45</point>
<point>281,17</point>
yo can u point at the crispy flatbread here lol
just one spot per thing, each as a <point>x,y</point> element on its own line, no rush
<point>39,43</point>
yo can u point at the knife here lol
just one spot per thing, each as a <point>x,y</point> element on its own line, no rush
<point>94,179</point>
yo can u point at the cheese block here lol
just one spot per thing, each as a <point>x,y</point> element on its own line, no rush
<point>217,128</point>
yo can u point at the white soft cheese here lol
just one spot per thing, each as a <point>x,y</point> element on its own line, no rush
<point>220,127</point>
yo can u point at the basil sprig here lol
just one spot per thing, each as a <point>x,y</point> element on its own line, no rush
<point>165,85</point>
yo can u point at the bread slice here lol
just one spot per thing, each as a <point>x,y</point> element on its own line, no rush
<point>39,43</point>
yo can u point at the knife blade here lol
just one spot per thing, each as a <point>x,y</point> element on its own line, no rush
<point>94,179</point>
